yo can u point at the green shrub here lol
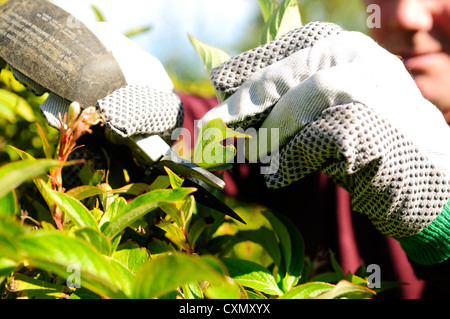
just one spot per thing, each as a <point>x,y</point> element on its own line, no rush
<point>145,240</point>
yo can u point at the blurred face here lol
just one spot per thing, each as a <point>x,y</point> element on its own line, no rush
<point>419,31</point>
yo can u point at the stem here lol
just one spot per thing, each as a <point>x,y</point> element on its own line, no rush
<point>72,126</point>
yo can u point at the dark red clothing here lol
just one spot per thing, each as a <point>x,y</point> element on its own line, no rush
<point>321,211</point>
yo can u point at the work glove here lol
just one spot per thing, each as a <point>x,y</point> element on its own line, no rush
<point>343,105</point>
<point>142,103</point>
<point>146,105</point>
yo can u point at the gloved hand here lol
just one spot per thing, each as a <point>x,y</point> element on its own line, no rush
<point>346,107</point>
<point>147,105</point>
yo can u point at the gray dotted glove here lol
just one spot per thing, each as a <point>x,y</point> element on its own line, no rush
<point>345,106</point>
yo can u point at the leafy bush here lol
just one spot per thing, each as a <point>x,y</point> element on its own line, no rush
<point>147,240</point>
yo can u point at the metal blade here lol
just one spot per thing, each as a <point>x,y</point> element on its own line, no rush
<point>154,150</point>
<point>207,198</point>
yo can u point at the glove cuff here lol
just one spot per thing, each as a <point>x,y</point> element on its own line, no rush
<point>432,245</point>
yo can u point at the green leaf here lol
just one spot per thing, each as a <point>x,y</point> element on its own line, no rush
<point>17,104</point>
<point>158,248</point>
<point>164,274</point>
<point>83,192</point>
<point>45,143</point>
<point>345,289</point>
<point>267,8</point>
<point>136,31</point>
<point>56,253</point>
<point>309,290</point>
<point>224,291</point>
<point>7,113</point>
<point>285,18</point>
<point>195,230</point>
<point>283,238</point>
<point>336,267</point>
<point>77,212</point>
<point>125,274</point>
<point>210,57</point>
<point>142,205</point>
<point>252,275</point>
<point>98,13</point>
<point>264,237</point>
<point>14,174</point>
<point>23,287</point>
<point>113,211</point>
<point>89,175</point>
<point>161,182</point>
<point>192,291</point>
<point>10,228</point>
<point>187,209</point>
<point>295,247</point>
<point>209,151</point>
<point>172,211</point>
<point>175,180</point>
<point>95,238</point>
<point>131,256</point>
<point>9,204</point>
<point>174,233</point>
<point>7,266</point>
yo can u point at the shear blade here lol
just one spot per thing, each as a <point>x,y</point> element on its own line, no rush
<point>205,197</point>
<point>183,167</point>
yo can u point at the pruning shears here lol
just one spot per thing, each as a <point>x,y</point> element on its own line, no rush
<point>38,41</point>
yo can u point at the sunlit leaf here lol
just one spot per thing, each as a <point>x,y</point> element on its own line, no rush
<point>252,275</point>
<point>83,192</point>
<point>196,229</point>
<point>56,252</point>
<point>17,104</point>
<point>345,289</point>
<point>137,31</point>
<point>285,18</point>
<point>166,273</point>
<point>131,255</point>
<point>192,291</point>
<point>292,248</point>
<point>95,238</point>
<point>23,287</point>
<point>174,233</point>
<point>14,174</point>
<point>209,150</point>
<point>142,205</point>
<point>45,143</point>
<point>7,266</point>
<point>267,8</point>
<point>210,57</point>
<point>113,211</point>
<point>9,204</point>
<point>99,15</point>
<point>308,290</point>
<point>77,212</point>
<point>175,180</point>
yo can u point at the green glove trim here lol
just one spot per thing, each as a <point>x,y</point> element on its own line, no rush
<point>432,245</point>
